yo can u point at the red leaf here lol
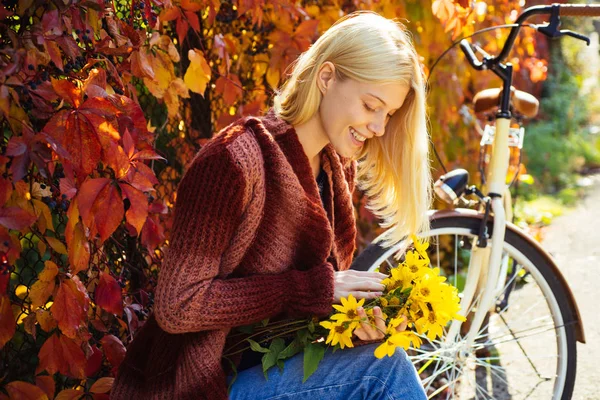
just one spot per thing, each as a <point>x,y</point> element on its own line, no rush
<point>153,234</point>
<point>61,354</point>
<point>25,391</point>
<point>16,218</point>
<point>68,188</point>
<point>6,190</point>
<point>54,52</point>
<point>193,20</point>
<point>94,362</point>
<point>68,91</point>
<point>108,294</point>
<point>101,206</point>
<point>46,383</point>
<point>182,27</point>
<point>147,155</point>
<point>70,306</point>
<point>114,350</point>
<point>7,320</point>
<point>141,177</point>
<point>138,210</point>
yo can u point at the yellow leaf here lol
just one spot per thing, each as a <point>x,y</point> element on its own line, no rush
<point>43,288</point>
<point>198,74</point>
<point>57,245</point>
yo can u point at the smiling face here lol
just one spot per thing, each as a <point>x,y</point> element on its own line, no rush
<point>352,112</point>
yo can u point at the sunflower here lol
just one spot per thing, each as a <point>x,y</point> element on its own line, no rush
<point>339,332</point>
<point>401,339</point>
<point>348,310</point>
<point>420,246</point>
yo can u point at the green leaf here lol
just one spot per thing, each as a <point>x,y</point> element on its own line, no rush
<point>280,365</point>
<point>270,358</point>
<point>311,326</point>
<point>303,336</point>
<point>291,350</point>
<point>257,347</point>
<point>313,354</point>
<point>265,322</point>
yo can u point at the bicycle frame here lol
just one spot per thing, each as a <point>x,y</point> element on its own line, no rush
<point>486,263</point>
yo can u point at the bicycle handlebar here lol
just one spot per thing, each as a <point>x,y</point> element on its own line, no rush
<point>588,10</point>
<point>580,10</point>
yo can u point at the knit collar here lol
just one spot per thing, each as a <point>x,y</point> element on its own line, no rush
<point>338,204</point>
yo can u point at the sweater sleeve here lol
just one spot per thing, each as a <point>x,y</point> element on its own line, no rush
<point>190,295</point>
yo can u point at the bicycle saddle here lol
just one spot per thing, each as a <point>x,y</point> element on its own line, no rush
<point>522,102</point>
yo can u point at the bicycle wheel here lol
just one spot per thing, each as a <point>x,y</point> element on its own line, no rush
<point>526,348</point>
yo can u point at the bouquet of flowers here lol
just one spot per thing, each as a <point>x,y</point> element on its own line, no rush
<point>415,295</point>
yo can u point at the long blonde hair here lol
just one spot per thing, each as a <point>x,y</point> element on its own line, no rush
<point>393,169</point>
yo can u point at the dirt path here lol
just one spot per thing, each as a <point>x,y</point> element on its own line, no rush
<point>574,241</point>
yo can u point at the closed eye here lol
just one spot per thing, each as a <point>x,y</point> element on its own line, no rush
<point>372,110</point>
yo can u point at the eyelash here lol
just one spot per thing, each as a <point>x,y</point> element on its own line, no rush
<point>371,110</point>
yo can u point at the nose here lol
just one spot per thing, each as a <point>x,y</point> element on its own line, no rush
<point>377,126</point>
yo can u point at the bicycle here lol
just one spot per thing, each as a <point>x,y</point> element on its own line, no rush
<point>522,319</point>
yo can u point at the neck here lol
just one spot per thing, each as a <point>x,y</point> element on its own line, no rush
<point>311,135</point>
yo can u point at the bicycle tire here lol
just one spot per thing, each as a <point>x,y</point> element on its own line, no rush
<point>543,274</point>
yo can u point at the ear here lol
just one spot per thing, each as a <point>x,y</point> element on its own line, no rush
<point>325,76</point>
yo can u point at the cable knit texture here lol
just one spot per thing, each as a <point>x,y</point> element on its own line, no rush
<point>250,240</point>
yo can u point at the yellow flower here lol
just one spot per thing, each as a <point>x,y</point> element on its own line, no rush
<point>430,325</point>
<point>400,339</point>
<point>347,309</point>
<point>339,333</point>
<point>420,246</point>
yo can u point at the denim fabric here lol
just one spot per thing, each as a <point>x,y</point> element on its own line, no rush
<point>347,374</point>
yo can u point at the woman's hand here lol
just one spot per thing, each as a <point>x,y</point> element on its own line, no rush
<point>368,332</point>
<point>360,284</point>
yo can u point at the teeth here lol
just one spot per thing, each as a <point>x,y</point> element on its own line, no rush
<point>357,136</point>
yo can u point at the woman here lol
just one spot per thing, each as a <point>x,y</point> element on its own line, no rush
<point>264,225</point>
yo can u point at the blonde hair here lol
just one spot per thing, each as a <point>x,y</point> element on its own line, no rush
<point>393,169</point>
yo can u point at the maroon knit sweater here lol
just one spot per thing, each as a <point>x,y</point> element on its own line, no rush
<point>250,240</point>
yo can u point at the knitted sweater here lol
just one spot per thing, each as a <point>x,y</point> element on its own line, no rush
<point>251,239</point>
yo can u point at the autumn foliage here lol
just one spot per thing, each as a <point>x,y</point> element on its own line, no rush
<point>102,105</point>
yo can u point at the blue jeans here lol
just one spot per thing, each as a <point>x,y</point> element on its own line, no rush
<point>349,374</point>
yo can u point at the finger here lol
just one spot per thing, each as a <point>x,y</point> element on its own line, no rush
<point>365,295</point>
<point>365,285</point>
<point>368,274</point>
<point>366,329</point>
<point>379,322</point>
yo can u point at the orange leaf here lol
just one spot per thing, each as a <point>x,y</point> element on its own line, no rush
<point>7,320</point>
<point>68,91</point>
<point>102,385</point>
<point>61,354</point>
<point>170,14</point>
<point>108,294</point>
<point>193,20</point>
<point>70,394</point>
<point>140,65</point>
<point>57,245</point>
<point>26,391</point>
<point>70,306</point>
<point>45,319</point>
<point>79,250</point>
<point>114,350</point>
<point>191,5</point>
<point>230,88</point>
<point>43,288</point>
<point>182,27</point>
<point>46,383</point>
